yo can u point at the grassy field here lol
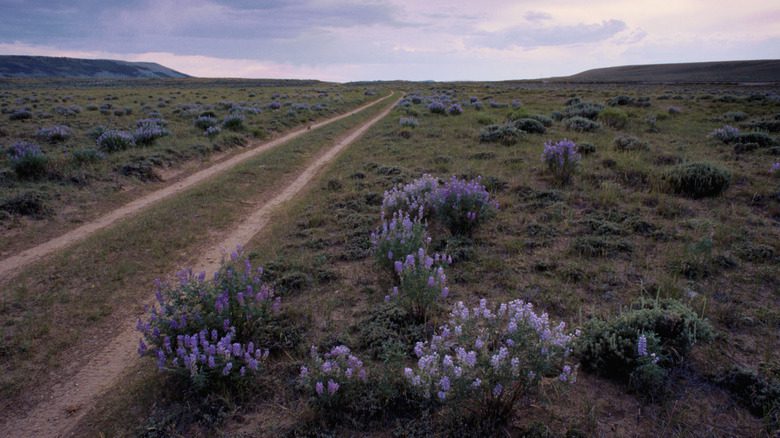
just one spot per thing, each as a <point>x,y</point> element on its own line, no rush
<point>589,249</point>
<point>81,178</point>
<point>56,312</point>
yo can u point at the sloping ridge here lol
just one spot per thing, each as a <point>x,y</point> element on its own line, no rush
<point>15,66</point>
<point>764,70</point>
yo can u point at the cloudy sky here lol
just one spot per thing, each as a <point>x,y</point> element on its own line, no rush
<point>345,40</point>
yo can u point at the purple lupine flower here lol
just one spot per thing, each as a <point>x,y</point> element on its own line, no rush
<point>319,388</point>
<point>332,387</point>
<point>141,347</point>
<point>497,390</point>
<point>775,168</point>
<point>641,346</point>
<point>228,367</point>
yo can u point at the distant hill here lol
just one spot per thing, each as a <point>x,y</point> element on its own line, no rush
<point>48,67</point>
<point>693,72</point>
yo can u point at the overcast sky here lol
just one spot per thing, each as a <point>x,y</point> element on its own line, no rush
<point>346,40</point>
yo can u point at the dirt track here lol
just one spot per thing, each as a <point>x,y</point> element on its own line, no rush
<point>70,401</point>
<point>13,264</point>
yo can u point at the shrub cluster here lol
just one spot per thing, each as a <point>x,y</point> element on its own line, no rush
<point>529,125</point>
<point>581,124</point>
<point>398,236</point>
<point>628,143</point>
<point>506,134</point>
<point>640,344</point>
<point>149,130</point>
<point>614,118</point>
<point>462,205</point>
<point>697,180</point>
<point>27,160</point>
<point>54,134</point>
<point>561,158</point>
<point>491,359</point>
<point>210,330</point>
<point>333,379</point>
<point>113,140</point>
<point>233,122</point>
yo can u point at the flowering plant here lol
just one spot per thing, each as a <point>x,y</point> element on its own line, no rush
<point>206,328</point>
<point>489,359</point>
<point>455,109</point>
<point>414,197</point>
<point>54,133</point>
<point>461,205</point>
<point>561,159</point>
<point>437,107</point>
<point>775,169</point>
<point>112,140</point>
<point>331,378</point>
<point>726,134</point>
<point>397,236</point>
<point>423,283</point>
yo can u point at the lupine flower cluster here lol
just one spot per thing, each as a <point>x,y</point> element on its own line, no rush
<point>413,197</point>
<point>331,377</point>
<point>455,109</point>
<point>461,205</point>
<point>396,237</point>
<point>205,122</point>
<point>54,133</point>
<point>437,107</point>
<point>275,105</point>
<point>423,282</point>
<point>22,150</point>
<point>775,169</point>
<point>205,328</point>
<point>212,131</point>
<point>491,357</point>
<point>726,134</point>
<point>408,122</point>
<point>233,121</point>
<point>113,140</point>
<point>561,159</point>
<point>149,130</point>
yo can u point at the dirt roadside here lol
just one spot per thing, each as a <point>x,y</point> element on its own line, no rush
<point>69,401</point>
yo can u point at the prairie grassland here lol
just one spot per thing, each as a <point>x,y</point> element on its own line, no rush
<point>82,179</point>
<point>58,312</point>
<point>615,234</point>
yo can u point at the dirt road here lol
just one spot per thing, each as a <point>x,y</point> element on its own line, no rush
<point>14,263</point>
<point>70,401</point>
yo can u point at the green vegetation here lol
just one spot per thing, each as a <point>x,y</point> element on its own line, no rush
<point>615,253</point>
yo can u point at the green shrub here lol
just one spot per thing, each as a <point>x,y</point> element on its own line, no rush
<point>697,180</point>
<point>586,148</point>
<point>544,120</point>
<point>581,124</point>
<point>626,143</point>
<point>614,118</point>
<point>389,332</point>
<point>760,395</point>
<point>86,156</point>
<point>530,126</point>
<point>761,138</point>
<point>587,110</point>
<point>27,160</point>
<point>611,347</point>
<point>504,134</point>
